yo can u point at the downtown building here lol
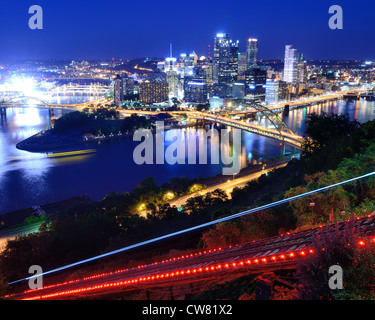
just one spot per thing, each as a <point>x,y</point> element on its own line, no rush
<point>153,92</point>
<point>172,77</point>
<point>276,90</point>
<point>225,61</point>
<point>196,83</point>
<point>195,92</point>
<point>127,86</point>
<point>290,64</point>
<point>302,70</point>
<point>118,93</point>
<point>252,53</point>
<point>255,85</point>
<point>242,63</point>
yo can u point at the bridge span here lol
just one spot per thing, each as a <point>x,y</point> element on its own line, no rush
<point>285,137</point>
<point>12,102</point>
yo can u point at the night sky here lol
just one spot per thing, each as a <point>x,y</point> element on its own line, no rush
<point>83,29</point>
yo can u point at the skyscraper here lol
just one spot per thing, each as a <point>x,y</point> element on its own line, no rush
<point>172,76</point>
<point>255,81</point>
<point>272,91</point>
<point>225,63</point>
<point>118,93</point>
<point>302,70</point>
<point>196,92</point>
<point>233,60</point>
<point>127,86</point>
<point>153,92</point>
<point>252,53</point>
<point>290,64</point>
<point>242,63</point>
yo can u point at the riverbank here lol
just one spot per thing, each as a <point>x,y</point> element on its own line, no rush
<point>14,218</point>
<point>46,140</point>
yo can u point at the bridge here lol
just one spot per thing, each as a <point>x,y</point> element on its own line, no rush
<point>13,102</point>
<point>281,133</point>
<point>368,95</point>
<point>291,105</point>
<point>182,273</point>
<point>70,89</point>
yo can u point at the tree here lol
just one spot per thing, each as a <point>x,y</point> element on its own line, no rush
<point>336,247</point>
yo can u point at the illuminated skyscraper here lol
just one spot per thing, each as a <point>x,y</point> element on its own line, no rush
<point>233,61</point>
<point>242,63</point>
<point>195,92</point>
<point>153,92</point>
<point>225,63</point>
<point>255,80</point>
<point>172,75</point>
<point>290,64</point>
<point>252,53</point>
<point>118,94</point>
<point>272,91</point>
<point>302,70</point>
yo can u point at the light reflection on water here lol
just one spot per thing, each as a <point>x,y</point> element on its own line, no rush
<point>37,181</point>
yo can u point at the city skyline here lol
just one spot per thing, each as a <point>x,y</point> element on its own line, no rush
<point>78,31</point>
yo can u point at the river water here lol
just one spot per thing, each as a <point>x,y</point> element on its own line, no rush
<point>27,179</point>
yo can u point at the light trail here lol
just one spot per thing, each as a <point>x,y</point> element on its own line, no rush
<point>70,153</point>
<point>53,155</point>
<point>234,216</point>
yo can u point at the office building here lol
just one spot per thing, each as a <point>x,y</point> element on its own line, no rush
<point>153,92</point>
<point>252,53</point>
<point>127,86</point>
<point>195,92</point>
<point>238,90</point>
<point>272,91</point>
<point>225,62</point>
<point>242,63</point>
<point>118,94</point>
<point>255,81</point>
<point>302,70</point>
<point>290,64</point>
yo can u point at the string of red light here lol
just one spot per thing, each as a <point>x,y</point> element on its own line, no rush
<point>165,261</point>
<point>178,273</point>
<point>191,272</point>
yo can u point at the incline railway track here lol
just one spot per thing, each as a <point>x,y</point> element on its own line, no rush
<point>277,253</point>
